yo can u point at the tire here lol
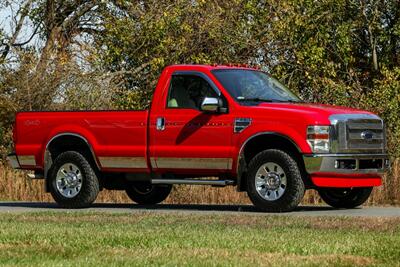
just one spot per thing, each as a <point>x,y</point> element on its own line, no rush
<point>283,190</point>
<point>347,198</point>
<point>148,194</point>
<point>79,187</point>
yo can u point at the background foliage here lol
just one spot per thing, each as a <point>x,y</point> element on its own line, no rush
<point>80,54</point>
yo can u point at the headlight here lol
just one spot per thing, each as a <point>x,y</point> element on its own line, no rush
<point>318,138</point>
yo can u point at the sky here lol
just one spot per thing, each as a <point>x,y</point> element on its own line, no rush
<point>7,24</point>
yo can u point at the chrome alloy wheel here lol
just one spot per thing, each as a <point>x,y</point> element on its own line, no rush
<point>270,181</point>
<point>69,180</point>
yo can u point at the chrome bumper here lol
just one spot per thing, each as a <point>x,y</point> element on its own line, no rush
<point>13,161</point>
<point>346,163</point>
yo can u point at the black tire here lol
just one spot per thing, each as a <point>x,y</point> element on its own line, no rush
<point>294,188</point>
<point>347,198</point>
<point>148,194</point>
<point>89,183</point>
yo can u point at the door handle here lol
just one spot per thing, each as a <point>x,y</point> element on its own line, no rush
<point>160,124</point>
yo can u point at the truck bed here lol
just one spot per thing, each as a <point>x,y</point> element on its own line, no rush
<point>109,133</point>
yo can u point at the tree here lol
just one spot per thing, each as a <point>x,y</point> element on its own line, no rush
<point>147,36</point>
<point>47,73</point>
<point>343,52</point>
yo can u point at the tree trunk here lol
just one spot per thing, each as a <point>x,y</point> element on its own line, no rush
<point>42,93</point>
<point>24,12</point>
<point>374,56</point>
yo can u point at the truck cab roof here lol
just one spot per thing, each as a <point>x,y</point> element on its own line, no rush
<point>209,67</point>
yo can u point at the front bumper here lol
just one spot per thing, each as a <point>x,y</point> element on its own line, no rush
<point>346,163</point>
<point>13,161</point>
<point>346,170</point>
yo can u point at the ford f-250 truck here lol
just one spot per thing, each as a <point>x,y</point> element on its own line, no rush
<point>236,124</point>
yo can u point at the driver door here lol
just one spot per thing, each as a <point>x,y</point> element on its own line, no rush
<point>185,139</point>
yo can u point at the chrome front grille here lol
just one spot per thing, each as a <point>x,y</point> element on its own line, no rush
<point>365,135</point>
<point>362,133</point>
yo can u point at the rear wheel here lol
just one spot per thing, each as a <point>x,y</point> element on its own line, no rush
<point>73,182</point>
<point>147,193</point>
<point>274,181</point>
<point>345,197</point>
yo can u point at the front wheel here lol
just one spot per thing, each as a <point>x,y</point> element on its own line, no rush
<point>347,198</point>
<point>274,181</point>
<point>147,193</point>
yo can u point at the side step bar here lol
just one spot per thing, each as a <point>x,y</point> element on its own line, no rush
<point>194,182</point>
<point>35,175</point>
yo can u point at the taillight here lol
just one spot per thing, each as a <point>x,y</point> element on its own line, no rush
<point>14,131</point>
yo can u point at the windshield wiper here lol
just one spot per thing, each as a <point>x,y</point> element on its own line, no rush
<point>258,99</point>
<point>255,99</point>
<point>287,101</point>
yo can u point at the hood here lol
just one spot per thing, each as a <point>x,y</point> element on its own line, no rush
<point>316,113</point>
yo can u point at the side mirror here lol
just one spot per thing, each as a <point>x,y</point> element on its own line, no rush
<point>210,104</point>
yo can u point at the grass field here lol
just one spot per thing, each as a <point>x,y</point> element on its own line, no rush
<point>94,239</point>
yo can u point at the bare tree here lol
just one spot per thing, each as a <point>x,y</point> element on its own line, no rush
<point>19,17</point>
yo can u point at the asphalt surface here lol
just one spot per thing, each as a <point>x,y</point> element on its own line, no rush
<point>23,207</point>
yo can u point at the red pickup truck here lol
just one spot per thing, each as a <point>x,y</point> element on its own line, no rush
<point>236,124</point>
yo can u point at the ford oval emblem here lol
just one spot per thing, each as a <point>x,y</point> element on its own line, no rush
<point>367,135</point>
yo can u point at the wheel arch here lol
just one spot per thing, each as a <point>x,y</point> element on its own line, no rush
<point>67,141</point>
<point>263,141</point>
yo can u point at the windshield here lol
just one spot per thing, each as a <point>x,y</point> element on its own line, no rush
<point>253,86</point>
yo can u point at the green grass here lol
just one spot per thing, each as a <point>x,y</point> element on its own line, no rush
<point>103,239</point>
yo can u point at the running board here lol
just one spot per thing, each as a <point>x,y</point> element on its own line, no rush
<point>194,182</point>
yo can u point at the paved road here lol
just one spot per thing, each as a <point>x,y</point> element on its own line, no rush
<point>13,207</point>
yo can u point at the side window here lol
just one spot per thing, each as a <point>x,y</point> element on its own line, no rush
<point>187,91</point>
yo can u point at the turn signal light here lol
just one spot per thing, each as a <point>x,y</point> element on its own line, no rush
<point>318,137</point>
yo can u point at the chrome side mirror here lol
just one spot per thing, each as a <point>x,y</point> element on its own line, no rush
<point>210,104</point>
